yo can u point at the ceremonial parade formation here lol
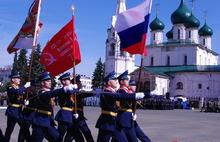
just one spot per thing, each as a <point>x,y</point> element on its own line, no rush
<point>117,120</point>
<point>123,87</point>
<point>33,109</point>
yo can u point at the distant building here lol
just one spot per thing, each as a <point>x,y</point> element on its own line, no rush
<point>86,82</point>
<point>185,64</point>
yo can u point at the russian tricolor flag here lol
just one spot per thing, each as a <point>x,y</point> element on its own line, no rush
<point>131,26</point>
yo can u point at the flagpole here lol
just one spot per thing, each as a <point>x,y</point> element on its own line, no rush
<point>138,86</point>
<point>34,45</point>
<point>74,62</point>
<point>142,59</point>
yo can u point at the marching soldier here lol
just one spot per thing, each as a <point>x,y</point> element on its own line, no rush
<point>125,113</point>
<point>140,134</point>
<point>43,123</point>
<point>80,118</point>
<point>14,110</point>
<point>29,111</point>
<point>65,114</point>
<point>107,123</point>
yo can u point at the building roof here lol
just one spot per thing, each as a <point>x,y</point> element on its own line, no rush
<point>192,22</point>
<point>205,31</point>
<point>181,14</point>
<point>165,70</point>
<point>157,25</point>
<point>180,43</point>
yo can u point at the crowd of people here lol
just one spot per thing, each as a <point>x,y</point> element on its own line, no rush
<point>157,104</point>
<point>210,106</point>
<point>33,110</point>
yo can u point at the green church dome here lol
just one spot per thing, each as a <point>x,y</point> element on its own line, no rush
<point>205,31</point>
<point>169,34</point>
<point>192,22</point>
<point>157,25</point>
<point>181,14</point>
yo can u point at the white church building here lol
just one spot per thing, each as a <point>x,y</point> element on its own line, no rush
<point>185,64</point>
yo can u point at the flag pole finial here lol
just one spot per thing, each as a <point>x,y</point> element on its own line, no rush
<point>73,8</point>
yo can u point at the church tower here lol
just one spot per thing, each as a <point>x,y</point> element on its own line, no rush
<point>116,59</point>
<point>178,17</point>
<point>205,34</point>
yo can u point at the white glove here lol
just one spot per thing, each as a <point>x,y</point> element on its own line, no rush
<point>28,84</point>
<point>26,102</point>
<point>67,88</point>
<point>74,86</point>
<point>134,117</point>
<point>139,95</point>
<point>75,115</point>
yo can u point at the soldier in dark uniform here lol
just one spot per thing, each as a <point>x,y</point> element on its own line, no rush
<point>107,123</point>
<point>29,111</point>
<point>43,123</point>
<point>125,110</point>
<point>139,133</point>
<point>65,114</point>
<point>81,119</point>
<point>14,110</point>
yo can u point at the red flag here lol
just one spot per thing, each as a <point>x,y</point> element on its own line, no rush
<point>61,51</point>
<point>26,37</point>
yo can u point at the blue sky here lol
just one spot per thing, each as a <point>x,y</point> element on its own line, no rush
<point>92,19</point>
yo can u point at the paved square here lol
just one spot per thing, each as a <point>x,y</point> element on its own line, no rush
<point>159,125</point>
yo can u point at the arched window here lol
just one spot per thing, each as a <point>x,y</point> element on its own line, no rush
<point>113,34</point>
<point>179,85</point>
<point>185,60</point>
<point>112,50</point>
<point>151,61</point>
<point>168,60</point>
<point>189,34</point>
<point>178,34</point>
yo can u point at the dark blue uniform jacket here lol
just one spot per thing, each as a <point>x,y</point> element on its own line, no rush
<point>108,120</point>
<point>15,96</point>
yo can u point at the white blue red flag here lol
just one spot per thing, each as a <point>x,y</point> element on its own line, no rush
<point>131,26</point>
<point>27,36</point>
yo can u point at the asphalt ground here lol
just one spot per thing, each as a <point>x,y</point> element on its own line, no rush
<point>159,125</point>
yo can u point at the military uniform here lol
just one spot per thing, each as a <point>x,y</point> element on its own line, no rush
<point>139,133</point>
<point>14,109</point>
<point>125,117</point>
<point>81,120</point>
<point>107,123</point>
<point>29,111</point>
<point>43,123</point>
<point>64,116</point>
